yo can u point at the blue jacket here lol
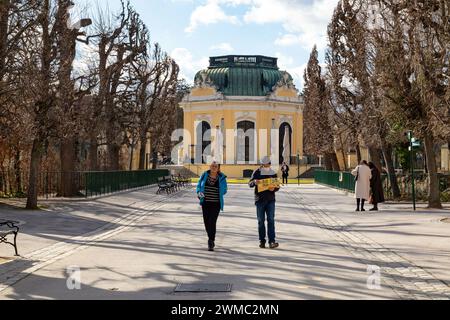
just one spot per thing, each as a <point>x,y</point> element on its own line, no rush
<point>223,187</point>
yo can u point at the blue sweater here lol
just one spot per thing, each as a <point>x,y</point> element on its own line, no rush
<point>223,187</point>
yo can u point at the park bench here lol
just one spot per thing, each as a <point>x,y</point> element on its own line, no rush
<point>163,186</point>
<point>173,186</point>
<point>180,181</point>
<point>9,228</point>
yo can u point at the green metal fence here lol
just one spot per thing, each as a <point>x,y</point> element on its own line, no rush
<point>100,183</point>
<point>335,179</point>
<point>346,181</point>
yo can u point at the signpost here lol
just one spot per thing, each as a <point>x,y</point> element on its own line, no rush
<point>412,143</point>
<point>298,168</point>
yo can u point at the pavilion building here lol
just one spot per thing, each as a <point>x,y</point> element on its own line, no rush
<point>241,109</point>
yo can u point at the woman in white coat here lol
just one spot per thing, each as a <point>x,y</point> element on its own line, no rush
<point>362,175</point>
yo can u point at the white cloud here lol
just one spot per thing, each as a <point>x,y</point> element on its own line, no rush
<point>305,22</point>
<point>284,61</point>
<point>223,47</point>
<point>287,63</point>
<point>287,40</point>
<point>297,74</point>
<point>86,57</point>
<point>188,65</point>
<point>209,13</point>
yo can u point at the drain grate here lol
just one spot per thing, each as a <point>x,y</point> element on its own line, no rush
<point>203,287</point>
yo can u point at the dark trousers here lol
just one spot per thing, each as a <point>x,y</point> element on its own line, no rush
<point>375,204</point>
<point>263,209</point>
<point>285,178</point>
<point>360,202</point>
<point>211,212</point>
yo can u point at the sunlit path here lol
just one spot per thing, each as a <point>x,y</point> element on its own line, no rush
<point>165,245</point>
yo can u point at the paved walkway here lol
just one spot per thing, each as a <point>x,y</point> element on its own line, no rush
<point>140,246</point>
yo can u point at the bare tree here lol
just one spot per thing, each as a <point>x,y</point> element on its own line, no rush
<point>414,77</point>
<point>117,47</point>
<point>319,139</point>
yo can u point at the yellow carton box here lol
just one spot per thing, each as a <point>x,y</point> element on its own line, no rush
<point>266,184</point>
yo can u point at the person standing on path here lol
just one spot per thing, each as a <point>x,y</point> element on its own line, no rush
<point>211,189</point>
<point>376,187</point>
<point>265,203</point>
<point>285,172</point>
<point>362,175</point>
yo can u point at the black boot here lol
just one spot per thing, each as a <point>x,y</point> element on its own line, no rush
<point>362,205</point>
<point>358,202</point>
<point>211,245</point>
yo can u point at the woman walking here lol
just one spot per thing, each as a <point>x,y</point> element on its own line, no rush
<point>376,187</point>
<point>362,175</point>
<point>211,189</point>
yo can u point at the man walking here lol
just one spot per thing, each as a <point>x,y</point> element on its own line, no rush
<point>265,203</point>
<point>285,173</point>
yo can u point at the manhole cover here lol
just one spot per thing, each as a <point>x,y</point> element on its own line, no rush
<point>446,220</point>
<point>204,287</point>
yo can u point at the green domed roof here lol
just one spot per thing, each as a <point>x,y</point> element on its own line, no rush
<point>243,75</point>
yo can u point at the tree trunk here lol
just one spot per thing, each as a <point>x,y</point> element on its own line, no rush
<point>387,153</point>
<point>113,157</point>
<point>358,153</point>
<point>327,161</point>
<point>375,156</point>
<point>93,154</point>
<point>18,171</point>
<point>131,158</point>
<point>4,16</point>
<point>155,159</point>
<point>434,194</point>
<point>68,155</point>
<point>142,152</point>
<point>343,152</point>
<point>334,162</point>
<point>36,155</point>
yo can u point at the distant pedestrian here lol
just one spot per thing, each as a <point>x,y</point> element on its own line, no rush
<point>265,203</point>
<point>362,175</point>
<point>211,190</point>
<point>285,173</point>
<point>376,187</point>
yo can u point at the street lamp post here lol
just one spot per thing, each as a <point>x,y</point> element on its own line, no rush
<point>298,169</point>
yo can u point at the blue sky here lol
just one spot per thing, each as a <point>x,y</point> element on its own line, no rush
<point>193,30</point>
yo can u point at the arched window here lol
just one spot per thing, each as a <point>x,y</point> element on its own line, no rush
<point>203,143</point>
<point>283,127</point>
<point>246,136</point>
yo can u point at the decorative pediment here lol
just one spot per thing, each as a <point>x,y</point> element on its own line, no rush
<point>204,88</point>
<point>203,81</point>
<point>285,87</point>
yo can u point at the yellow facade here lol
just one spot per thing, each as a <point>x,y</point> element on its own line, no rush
<point>445,158</point>
<point>207,104</point>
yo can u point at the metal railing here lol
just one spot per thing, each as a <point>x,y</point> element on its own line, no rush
<point>101,183</point>
<point>83,184</point>
<point>346,181</point>
<point>339,180</point>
